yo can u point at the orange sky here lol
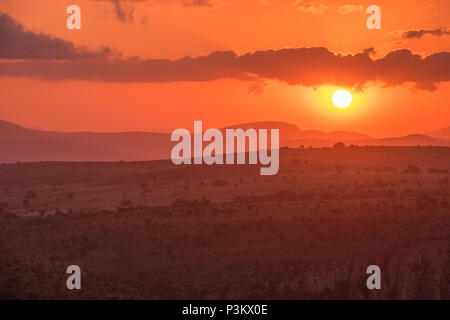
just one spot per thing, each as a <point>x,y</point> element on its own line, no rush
<point>170,30</point>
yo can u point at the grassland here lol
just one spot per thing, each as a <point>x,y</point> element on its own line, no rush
<point>152,230</point>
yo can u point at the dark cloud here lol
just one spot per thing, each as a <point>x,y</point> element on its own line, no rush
<point>402,66</point>
<point>16,43</point>
<point>217,65</point>
<point>420,33</point>
<point>300,66</point>
<point>124,9</point>
<point>122,13</point>
<point>318,66</point>
<point>297,66</point>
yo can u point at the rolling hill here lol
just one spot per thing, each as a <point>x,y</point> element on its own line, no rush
<point>26,145</point>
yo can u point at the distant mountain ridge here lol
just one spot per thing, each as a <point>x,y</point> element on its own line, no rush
<point>290,131</point>
<point>442,133</point>
<point>21,144</point>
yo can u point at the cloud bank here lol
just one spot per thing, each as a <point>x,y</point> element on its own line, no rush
<point>17,43</point>
<point>47,58</point>
<point>300,66</point>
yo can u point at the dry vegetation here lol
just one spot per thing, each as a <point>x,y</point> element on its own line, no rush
<point>153,230</point>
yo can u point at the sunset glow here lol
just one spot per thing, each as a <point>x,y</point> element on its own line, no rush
<point>241,72</point>
<point>199,152</point>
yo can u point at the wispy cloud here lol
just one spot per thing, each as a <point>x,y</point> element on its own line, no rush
<point>198,3</point>
<point>125,9</point>
<point>257,87</point>
<point>349,8</point>
<point>310,7</point>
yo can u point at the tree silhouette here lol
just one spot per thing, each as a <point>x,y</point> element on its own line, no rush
<point>339,146</point>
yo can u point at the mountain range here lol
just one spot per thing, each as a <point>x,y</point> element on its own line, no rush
<point>21,144</point>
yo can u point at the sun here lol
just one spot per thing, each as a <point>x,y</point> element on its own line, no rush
<point>342,98</point>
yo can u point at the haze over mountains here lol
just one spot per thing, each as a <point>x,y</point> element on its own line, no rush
<point>21,144</point>
<point>442,133</point>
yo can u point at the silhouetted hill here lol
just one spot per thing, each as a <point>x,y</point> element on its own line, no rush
<point>292,132</point>
<point>411,140</point>
<point>334,135</point>
<point>21,144</point>
<point>287,131</point>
